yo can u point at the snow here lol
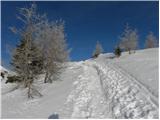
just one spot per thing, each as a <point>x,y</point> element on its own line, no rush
<point>3,69</point>
<point>87,97</point>
<point>54,96</point>
<point>143,65</point>
<point>6,73</point>
<point>127,98</point>
<point>107,55</point>
<point>95,88</point>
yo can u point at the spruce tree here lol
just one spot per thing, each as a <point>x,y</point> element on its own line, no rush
<point>117,51</point>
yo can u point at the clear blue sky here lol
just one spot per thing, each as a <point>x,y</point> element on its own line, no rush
<point>86,22</point>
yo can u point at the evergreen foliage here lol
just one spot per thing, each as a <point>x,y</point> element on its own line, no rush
<point>117,51</point>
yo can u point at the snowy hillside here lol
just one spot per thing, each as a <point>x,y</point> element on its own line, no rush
<point>3,69</point>
<point>95,88</point>
<point>143,66</point>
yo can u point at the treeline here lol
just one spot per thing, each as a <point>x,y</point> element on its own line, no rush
<point>42,49</point>
<point>128,42</point>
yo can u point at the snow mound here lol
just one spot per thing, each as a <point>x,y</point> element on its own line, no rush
<point>107,55</point>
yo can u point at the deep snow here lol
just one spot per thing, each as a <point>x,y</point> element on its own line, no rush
<point>15,104</point>
<point>144,66</point>
<point>95,88</point>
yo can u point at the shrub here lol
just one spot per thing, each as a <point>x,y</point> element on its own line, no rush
<point>117,51</point>
<point>12,79</point>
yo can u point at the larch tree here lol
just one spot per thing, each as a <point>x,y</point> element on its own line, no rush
<point>27,59</point>
<point>54,48</point>
<point>98,50</point>
<point>129,39</point>
<point>151,41</point>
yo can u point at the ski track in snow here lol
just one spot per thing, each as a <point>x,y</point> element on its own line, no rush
<point>104,91</point>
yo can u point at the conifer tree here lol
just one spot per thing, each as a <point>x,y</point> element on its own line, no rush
<point>117,51</point>
<point>98,50</point>
<point>27,60</point>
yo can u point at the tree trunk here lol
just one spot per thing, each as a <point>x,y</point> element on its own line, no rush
<point>129,51</point>
<point>46,77</point>
<point>49,78</point>
<point>29,89</point>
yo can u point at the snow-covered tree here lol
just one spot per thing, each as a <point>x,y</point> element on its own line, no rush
<point>129,39</point>
<point>54,48</point>
<point>42,48</point>
<point>98,50</point>
<point>151,41</point>
<point>27,59</point>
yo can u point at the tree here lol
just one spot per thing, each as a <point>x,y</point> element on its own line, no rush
<point>54,48</point>
<point>151,41</point>
<point>27,59</point>
<point>129,39</point>
<point>98,50</point>
<point>117,51</point>
<point>28,63</point>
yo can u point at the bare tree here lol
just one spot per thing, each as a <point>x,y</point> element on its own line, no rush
<point>54,48</point>
<point>129,39</point>
<point>98,50</point>
<point>151,41</point>
<point>27,59</point>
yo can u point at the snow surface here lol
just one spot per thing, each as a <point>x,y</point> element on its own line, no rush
<point>143,65</point>
<point>3,69</point>
<point>95,88</point>
<point>15,103</point>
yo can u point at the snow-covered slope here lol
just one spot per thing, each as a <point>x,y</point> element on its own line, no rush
<point>6,72</point>
<point>2,69</point>
<point>144,66</point>
<point>95,88</point>
<point>15,103</point>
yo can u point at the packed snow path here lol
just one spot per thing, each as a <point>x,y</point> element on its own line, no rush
<point>87,99</point>
<point>104,91</point>
<point>100,90</point>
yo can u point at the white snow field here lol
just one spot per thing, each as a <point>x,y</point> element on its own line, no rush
<point>95,88</point>
<point>143,66</point>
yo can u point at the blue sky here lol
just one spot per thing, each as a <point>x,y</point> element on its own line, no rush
<point>86,23</point>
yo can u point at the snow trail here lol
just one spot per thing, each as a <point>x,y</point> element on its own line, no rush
<point>87,99</point>
<point>104,91</point>
<point>95,88</point>
<point>127,98</point>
